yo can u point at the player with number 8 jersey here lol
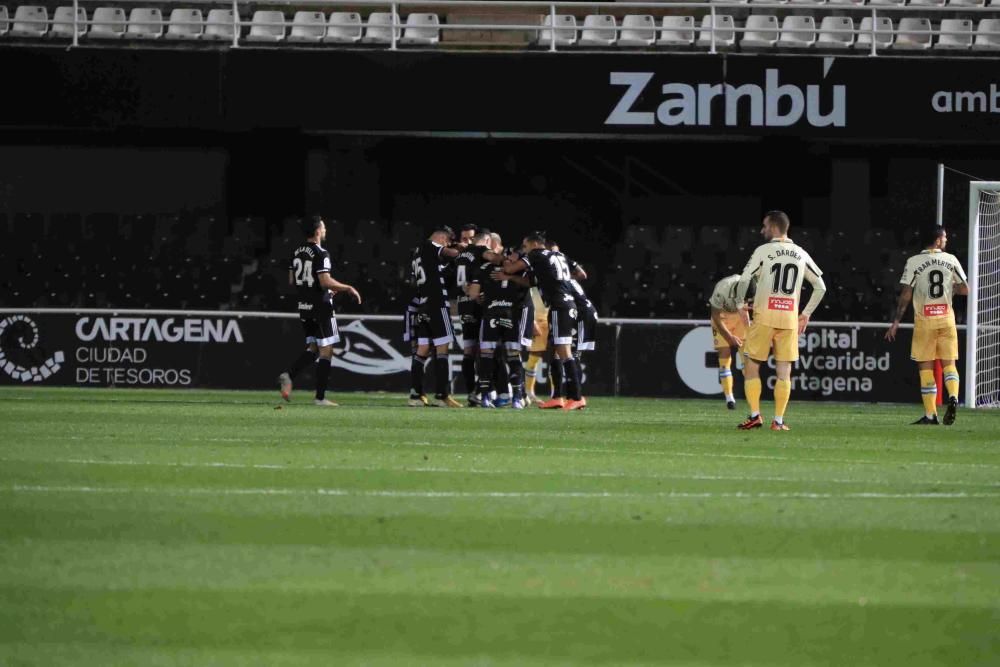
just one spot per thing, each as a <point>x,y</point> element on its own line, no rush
<point>930,278</point>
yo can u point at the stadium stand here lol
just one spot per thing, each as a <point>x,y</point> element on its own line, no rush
<point>917,26</point>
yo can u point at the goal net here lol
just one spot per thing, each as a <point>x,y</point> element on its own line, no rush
<point>983,332</point>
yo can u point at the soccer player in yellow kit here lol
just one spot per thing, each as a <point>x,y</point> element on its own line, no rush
<point>777,268</point>
<point>930,278</point>
<point>728,331</point>
<point>539,343</point>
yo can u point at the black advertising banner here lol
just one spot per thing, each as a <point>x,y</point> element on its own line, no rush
<point>225,350</point>
<point>529,92</point>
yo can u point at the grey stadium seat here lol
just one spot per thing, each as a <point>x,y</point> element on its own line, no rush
<point>835,32</point>
<point>677,31</point>
<point>267,26</point>
<point>185,24</point>
<point>725,31</point>
<point>145,23</point>
<point>565,30</point>
<point>108,23</point>
<point>798,32</point>
<point>761,31</point>
<point>220,25</point>
<point>914,34</point>
<point>30,21</point>
<point>955,34</point>
<point>987,35</point>
<point>62,23</point>
<point>344,28</point>
<point>308,27</point>
<point>599,30</point>
<point>884,36</point>
<point>638,30</point>
<point>379,29</point>
<point>422,29</point>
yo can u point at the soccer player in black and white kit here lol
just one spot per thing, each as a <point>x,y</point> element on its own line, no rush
<point>432,323</point>
<point>551,271</point>
<point>500,332</point>
<point>309,272</point>
<point>470,312</point>
<point>586,319</point>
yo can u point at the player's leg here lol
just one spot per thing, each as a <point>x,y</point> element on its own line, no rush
<point>329,335</point>
<point>487,348</point>
<point>303,361</point>
<point>924,352</point>
<point>418,364</point>
<point>786,353</point>
<point>726,375</point>
<point>470,349</point>
<point>442,337</point>
<point>536,351</point>
<point>756,348</point>
<point>516,373</point>
<point>947,346</point>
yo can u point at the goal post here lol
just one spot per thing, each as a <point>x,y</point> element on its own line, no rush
<point>982,335</point>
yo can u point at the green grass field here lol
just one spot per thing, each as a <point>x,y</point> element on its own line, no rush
<point>208,528</point>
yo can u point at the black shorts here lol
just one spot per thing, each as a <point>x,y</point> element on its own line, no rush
<point>470,330</point>
<point>432,325</point>
<point>409,322</point>
<point>586,330</point>
<point>562,325</point>
<point>320,328</point>
<point>526,323</point>
<point>499,329</point>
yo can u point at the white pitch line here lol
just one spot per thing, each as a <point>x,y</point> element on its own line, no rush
<point>480,471</point>
<point>591,450</point>
<point>380,493</point>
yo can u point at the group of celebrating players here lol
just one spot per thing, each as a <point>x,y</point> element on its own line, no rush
<point>530,299</point>
<point>509,301</point>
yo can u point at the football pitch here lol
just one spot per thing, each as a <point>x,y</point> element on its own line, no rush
<point>196,528</point>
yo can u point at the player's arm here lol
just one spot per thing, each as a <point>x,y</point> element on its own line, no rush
<point>450,253</point>
<point>815,280</point>
<point>326,281</point>
<point>961,289</point>
<point>749,274</point>
<point>521,280</point>
<point>721,327</point>
<point>905,295</point>
<point>515,266</point>
<point>961,282</point>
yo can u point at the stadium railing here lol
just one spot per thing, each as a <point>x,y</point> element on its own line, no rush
<point>712,41</point>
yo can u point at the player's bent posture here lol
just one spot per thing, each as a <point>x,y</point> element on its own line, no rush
<point>728,331</point>
<point>552,273</point>
<point>777,268</point>
<point>432,324</point>
<point>929,279</point>
<point>309,271</point>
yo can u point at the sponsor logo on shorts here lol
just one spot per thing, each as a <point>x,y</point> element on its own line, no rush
<point>935,309</point>
<point>781,303</point>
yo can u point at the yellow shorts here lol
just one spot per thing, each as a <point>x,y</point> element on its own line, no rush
<point>931,344</point>
<point>540,342</point>
<point>735,326</point>
<point>760,338</point>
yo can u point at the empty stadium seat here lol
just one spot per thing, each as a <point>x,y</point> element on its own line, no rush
<point>108,23</point>
<point>835,32</point>
<point>798,32</point>
<point>914,33</point>
<point>380,29</point>
<point>927,3</point>
<point>267,26</point>
<point>987,35</point>
<point>599,30</point>
<point>30,21</point>
<point>955,34</point>
<point>725,31</point>
<point>4,20</point>
<point>761,31</point>
<point>638,31</point>
<point>677,31</point>
<point>145,23</point>
<point>344,28</point>
<point>422,29</point>
<point>967,3</point>
<point>883,33</point>
<point>220,24</point>
<point>847,2</point>
<point>185,24</point>
<point>565,30</point>
<point>308,27</point>
<point>62,23</point>
<point>888,2</point>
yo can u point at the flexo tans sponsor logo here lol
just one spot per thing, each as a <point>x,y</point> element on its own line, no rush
<point>772,104</point>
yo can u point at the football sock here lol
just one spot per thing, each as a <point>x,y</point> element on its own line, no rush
<point>556,372</point>
<point>322,376</point>
<point>442,376</point>
<point>726,377</point>
<point>529,370</point>
<point>417,367</point>
<point>782,392</point>
<point>303,361</point>
<point>516,370</point>
<point>571,373</point>
<point>579,372</point>
<point>501,378</point>
<point>469,372</point>
<point>752,390</point>
<point>928,392</point>
<point>951,380</point>
<point>485,374</point>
